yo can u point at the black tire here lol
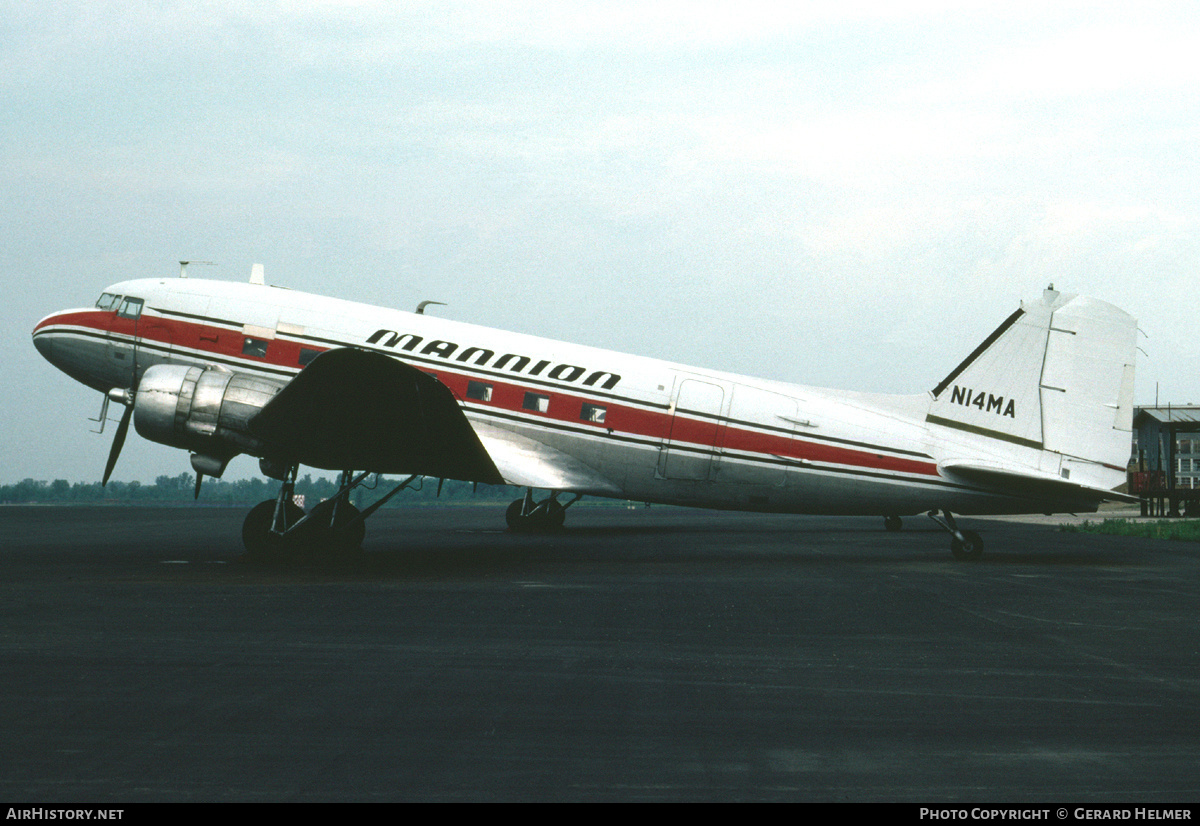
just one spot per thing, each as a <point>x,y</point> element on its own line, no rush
<point>256,529</point>
<point>517,522</point>
<point>892,523</point>
<point>969,548</point>
<point>553,517</point>
<point>343,539</point>
<point>546,516</point>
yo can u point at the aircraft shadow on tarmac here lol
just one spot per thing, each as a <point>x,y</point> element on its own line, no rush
<point>460,552</point>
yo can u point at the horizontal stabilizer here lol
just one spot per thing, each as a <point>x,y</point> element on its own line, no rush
<point>1025,483</point>
<point>354,409</point>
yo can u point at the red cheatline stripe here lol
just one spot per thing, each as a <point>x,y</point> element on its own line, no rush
<point>564,407</point>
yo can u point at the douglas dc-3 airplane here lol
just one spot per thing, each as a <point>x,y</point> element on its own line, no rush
<point>1036,420</point>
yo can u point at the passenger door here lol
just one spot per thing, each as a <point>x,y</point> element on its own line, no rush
<point>689,450</point>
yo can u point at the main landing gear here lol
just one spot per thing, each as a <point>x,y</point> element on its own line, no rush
<point>965,545</point>
<point>281,529</point>
<point>526,516</point>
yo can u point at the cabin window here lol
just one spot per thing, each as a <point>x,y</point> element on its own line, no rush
<point>592,413</point>
<point>255,347</point>
<point>479,391</point>
<point>108,301</point>
<point>130,308</point>
<point>536,401</point>
<point>307,354</point>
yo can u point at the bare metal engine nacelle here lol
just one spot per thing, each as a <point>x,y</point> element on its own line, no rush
<point>202,410</point>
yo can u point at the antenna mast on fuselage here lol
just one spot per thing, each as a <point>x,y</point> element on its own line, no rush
<point>183,265</point>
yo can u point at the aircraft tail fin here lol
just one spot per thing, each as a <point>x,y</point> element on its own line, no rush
<point>1056,376</point>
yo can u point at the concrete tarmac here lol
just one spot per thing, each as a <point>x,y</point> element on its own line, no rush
<point>661,654</point>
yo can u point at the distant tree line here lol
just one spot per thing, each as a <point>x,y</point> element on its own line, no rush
<point>179,489</point>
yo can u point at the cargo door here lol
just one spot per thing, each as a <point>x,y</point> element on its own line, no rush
<point>758,437</point>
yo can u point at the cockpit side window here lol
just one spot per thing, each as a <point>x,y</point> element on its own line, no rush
<point>130,308</point>
<point>108,301</point>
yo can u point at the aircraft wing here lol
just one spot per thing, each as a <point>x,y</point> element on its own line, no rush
<point>362,410</point>
<point>526,462</point>
<point>1026,483</point>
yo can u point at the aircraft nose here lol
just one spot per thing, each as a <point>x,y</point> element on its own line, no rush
<point>43,336</point>
<point>50,339</point>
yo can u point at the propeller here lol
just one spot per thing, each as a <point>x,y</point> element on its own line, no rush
<point>125,397</point>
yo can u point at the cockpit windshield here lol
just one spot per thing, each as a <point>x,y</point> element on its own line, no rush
<point>130,308</point>
<point>108,301</point>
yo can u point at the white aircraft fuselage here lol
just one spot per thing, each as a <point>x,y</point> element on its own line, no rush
<point>995,437</point>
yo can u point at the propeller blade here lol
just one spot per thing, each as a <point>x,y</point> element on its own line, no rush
<point>118,443</point>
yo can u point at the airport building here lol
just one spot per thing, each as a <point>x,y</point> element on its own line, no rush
<point>1165,465</point>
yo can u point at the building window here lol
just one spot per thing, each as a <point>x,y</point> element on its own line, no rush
<point>255,347</point>
<point>592,413</point>
<point>479,391</point>
<point>307,354</point>
<point>536,401</point>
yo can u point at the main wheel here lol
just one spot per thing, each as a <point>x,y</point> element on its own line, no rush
<point>256,529</point>
<point>969,548</point>
<point>517,522</point>
<point>344,537</point>
<point>552,517</point>
<point>893,523</point>
<point>547,515</point>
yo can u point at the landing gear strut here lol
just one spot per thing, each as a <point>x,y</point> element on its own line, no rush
<point>527,516</point>
<point>965,545</point>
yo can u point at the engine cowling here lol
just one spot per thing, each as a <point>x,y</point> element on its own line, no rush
<point>202,410</point>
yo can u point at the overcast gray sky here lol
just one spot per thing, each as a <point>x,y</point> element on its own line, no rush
<point>846,194</point>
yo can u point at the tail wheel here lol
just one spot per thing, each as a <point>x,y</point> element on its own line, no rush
<point>969,548</point>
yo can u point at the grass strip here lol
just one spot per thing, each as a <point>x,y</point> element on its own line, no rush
<point>1186,530</point>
